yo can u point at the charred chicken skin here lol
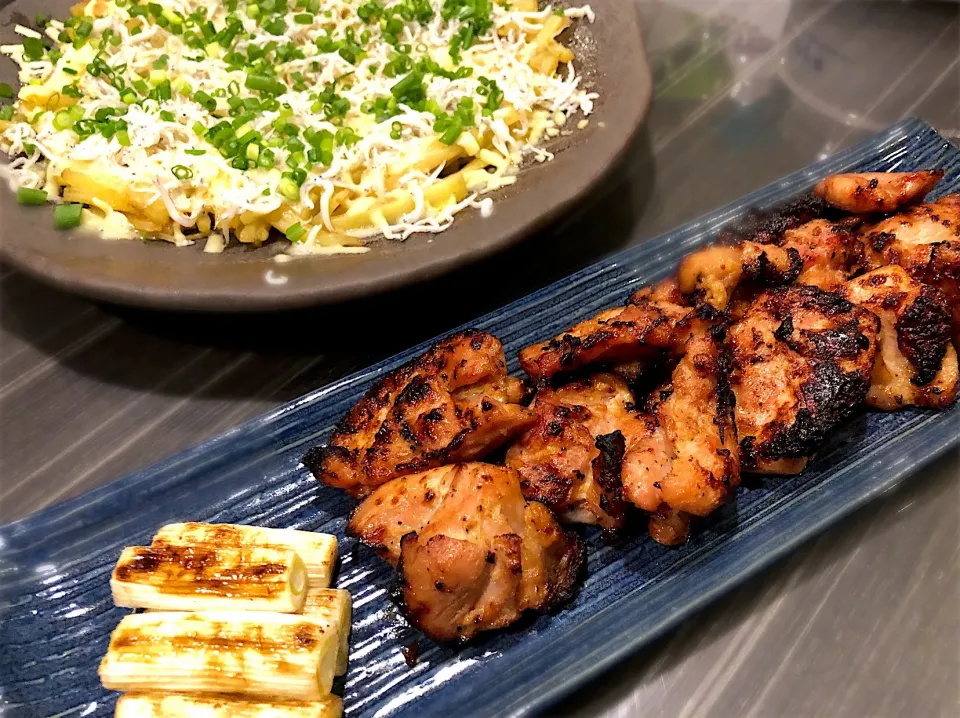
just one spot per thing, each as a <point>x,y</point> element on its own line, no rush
<point>455,403</point>
<point>768,226</point>
<point>584,440</point>
<point>472,555</point>
<point>802,360</point>
<point>916,362</point>
<point>867,192</point>
<point>924,240</point>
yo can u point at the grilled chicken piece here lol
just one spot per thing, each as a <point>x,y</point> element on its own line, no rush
<point>712,274</point>
<point>471,553</point>
<point>802,359</point>
<point>573,457</point>
<point>455,403</point>
<point>862,193</point>
<point>916,363</point>
<point>827,250</point>
<point>924,240</point>
<point>688,462</point>
<point>623,334</point>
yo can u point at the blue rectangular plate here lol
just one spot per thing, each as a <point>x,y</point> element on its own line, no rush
<point>54,566</point>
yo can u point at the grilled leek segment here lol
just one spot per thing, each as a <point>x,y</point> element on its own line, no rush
<point>271,655</point>
<point>334,607</point>
<point>209,578</point>
<point>318,551</point>
<point>157,705</point>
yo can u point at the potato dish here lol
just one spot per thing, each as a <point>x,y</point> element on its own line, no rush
<point>330,122</point>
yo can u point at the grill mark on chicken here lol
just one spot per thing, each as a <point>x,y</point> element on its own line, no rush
<point>925,241</point>
<point>923,334</point>
<point>608,470</point>
<point>916,364</point>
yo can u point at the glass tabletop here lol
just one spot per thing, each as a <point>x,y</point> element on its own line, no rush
<point>862,622</point>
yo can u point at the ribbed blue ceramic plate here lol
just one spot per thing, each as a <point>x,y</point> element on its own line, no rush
<point>54,566</point>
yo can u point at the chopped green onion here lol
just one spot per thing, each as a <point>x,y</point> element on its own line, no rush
<point>67,216</point>
<point>6,91</point>
<point>85,127</point>
<point>181,87</point>
<point>266,159</point>
<point>123,138</point>
<point>452,133</point>
<point>205,100</point>
<point>295,232</point>
<point>276,26</point>
<point>33,48</point>
<point>62,120</point>
<point>263,83</point>
<point>288,188</point>
<point>29,196</point>
<point>196,153</point>
<point>163,91</point>
<point>182,173</point>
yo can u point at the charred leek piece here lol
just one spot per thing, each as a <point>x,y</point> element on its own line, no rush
<point>318,551</point>
<point>270,655</point>
<point>209,578</point>
<point>158,705</point>
<point>335,607</point>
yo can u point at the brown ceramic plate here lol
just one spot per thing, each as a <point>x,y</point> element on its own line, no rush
<point>156,274</point>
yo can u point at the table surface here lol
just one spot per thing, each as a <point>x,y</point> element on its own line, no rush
<point>865,621</point>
